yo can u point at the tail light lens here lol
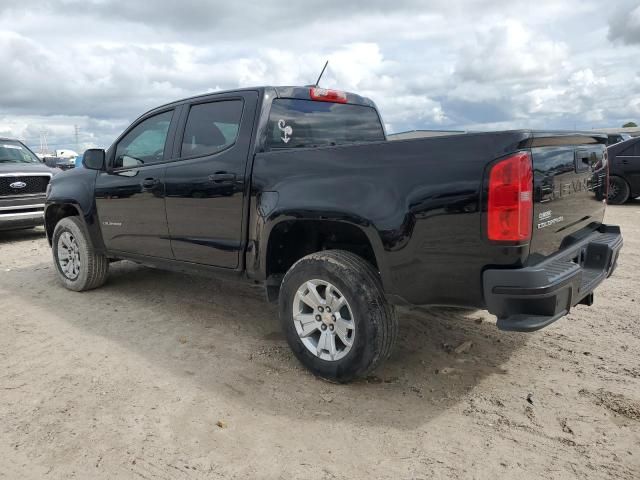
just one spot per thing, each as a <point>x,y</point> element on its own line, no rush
<point>510,208</point>
<point>324,95</point>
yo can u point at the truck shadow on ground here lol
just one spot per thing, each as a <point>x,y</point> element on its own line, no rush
<point>9,236</point>
<point>225,337</point>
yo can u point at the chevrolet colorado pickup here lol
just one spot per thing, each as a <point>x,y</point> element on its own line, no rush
<point>298,189</point>
<point>23,181</point>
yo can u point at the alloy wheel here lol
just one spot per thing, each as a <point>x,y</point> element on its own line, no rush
<point>69,255</point>
<point>614,189</point>
<point>324,320</point>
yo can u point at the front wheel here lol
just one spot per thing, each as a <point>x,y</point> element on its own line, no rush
<point>618,191</point>
<point>335,316</point>
<point>78,265</point>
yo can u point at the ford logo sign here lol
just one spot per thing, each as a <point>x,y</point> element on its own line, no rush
<point>18,185</point>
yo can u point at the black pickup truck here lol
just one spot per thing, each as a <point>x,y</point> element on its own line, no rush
<point>298,188</point>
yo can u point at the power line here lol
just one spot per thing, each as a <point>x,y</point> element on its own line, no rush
<point>44,148</point>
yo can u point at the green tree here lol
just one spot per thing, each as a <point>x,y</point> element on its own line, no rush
<point>629,125</point>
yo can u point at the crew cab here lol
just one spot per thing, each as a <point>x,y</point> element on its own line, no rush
<point>23,182</point>
<point>297,188</point>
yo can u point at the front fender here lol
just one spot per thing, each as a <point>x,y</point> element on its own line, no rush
<point>72,193</point>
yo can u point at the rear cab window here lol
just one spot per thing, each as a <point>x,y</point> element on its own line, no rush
<point>298,123</point>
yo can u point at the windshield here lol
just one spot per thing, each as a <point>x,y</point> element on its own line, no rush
<point>12,151</point>
<point>297,123</point>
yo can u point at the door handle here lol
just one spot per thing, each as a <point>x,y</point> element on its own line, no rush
<point>222,177</point>
<point>150,182</point>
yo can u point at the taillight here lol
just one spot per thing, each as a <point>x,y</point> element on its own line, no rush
<point>510,206</point>
<point>324,95</point>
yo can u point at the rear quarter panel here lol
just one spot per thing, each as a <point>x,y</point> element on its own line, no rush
<point>418,201</point>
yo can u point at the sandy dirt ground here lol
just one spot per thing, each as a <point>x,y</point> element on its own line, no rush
<point>160,375</point>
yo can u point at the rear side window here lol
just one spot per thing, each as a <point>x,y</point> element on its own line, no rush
<point>631,151</point>
<point>211,127</point>
<point>295,123</point>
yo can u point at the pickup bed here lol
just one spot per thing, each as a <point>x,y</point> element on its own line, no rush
<point>298,188</point>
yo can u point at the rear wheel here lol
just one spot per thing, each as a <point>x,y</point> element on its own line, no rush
<point>618,191</point>
<point>78,266</point>
<point>335,316</point>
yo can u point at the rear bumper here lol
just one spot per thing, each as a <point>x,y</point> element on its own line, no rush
<point>531,298</point>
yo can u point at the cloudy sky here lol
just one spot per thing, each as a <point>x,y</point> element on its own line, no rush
<point>443,64</point>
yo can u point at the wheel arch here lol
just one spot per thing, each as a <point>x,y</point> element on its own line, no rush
<point>291,239</point>
<point>57,211</point>
<point>54,212</point>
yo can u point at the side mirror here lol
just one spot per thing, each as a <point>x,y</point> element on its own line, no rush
<point>94,159</point>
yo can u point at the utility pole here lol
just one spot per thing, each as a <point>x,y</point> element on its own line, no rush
<point>77,132</point>
<point>44,148</point>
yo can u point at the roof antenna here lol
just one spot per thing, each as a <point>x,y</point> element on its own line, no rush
<point>322,72</point>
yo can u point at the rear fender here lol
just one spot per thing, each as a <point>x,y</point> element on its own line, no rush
<point>257,253</point>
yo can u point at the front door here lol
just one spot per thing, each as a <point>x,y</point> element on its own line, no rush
<point>130,194</point>
<point>205,187</point>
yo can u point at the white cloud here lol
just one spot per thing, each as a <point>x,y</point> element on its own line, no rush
<point>625,23</point>
<point>513,53</point>
<point>485,64</point>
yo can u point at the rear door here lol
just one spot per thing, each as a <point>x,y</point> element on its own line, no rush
<point>205,186</point>
<point>130,194</point>
<point>569,187</point>
<point>627,161</point>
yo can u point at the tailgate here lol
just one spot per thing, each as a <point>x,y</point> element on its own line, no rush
<point>570,174</point>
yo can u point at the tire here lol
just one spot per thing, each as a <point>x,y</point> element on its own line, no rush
<point>618,191</point>
<point>359,302</point>
<point>92,268</point>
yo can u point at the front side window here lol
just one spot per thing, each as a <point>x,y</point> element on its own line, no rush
<point>211,127</point>
<point>295,123</point>
<point>144,145</point>
<point>15,152</point>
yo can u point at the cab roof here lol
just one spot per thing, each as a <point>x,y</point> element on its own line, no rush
<point>299,92</point>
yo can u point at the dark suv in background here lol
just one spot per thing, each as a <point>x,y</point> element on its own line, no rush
<point>624,171</point>
<point>23,184</point>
